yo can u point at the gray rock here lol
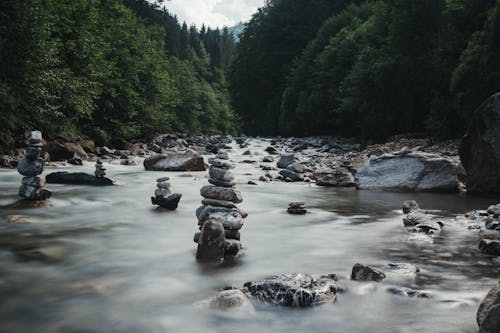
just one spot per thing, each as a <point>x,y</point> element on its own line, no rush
<point>35,181</point>
<point>291,175</point>
<point>220,174</point>
<point>163,184</point>
<point>286,160</point>
<point>488,314</point>
<point>220,203</point>
<point>271,150</point>
<point>170,202</point>
<point>494,210</point>
<point>230,218</point>
<point>34,193</point>
<point>221,193</point>
<point>296,167</point>
<point>296,204</point>
<point>412,172</point>
<point>230,299</point>
<point>264,179</point>
<point>490,246</point>
<point>480,148</point>
<point>232,234</point>
<point>294,290</point>
<point>220,163</point>
<point>30,168</point>
<point>337,177</point>
<point>233,247</point>
<point>221,183</point>
<point>211,242</point>
<point>268,159</point>
<point>35,138</point>
<point>366,273</point>
<point>410,205</point>
<point>175,162</point>
<point>296,211</point>
<point>409,292</point>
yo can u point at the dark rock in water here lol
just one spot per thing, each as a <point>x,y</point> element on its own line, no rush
<point>34,193</point>
<point>366,273</point>
<point>490,246</point>
<point>230,299</point>
<point>220,174</point>
<point>268,159</point>
<point>233,247</point>
<point>247,152</point>
<point>169,202</point>
<point>411,172</point>
<point>291,175</point>
<point>494,210</point>
<point>410,205</point>
<point>488,314</point>
<point>221,183</point>
<point>230,218</point>
<point>77,178</point>
<point>480,148</point>
<point>233,234</point>
<point>30,168</point>
<point>297,204</point>
<point>286,160</point>
<point>294,290</point>
<point>296,211</point>
<point>271,150</point>
<point>337,177</point>
<point>175,162</point>
<point>251,182</point>
<point>211,242</point>
<point>264,179</point>
<point>75,161</point>
<point>221,193</point>
<point>409,292</point>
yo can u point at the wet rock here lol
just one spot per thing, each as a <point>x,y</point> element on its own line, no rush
<point>286,160</point>
<point>271,150</point>
<point>251,182</point>
<point>488,314</point>
<point>296,167</point>
<point>60,150</point>
<point>211,242</point>
<point>268,159</point>
<point>366,273</point>
<point>294,290</point>
<point>233,234</point>
<point>490,246</point>
<point>247,152</point>
<point>264,179</point>
<point>77,178</point>
<point>232,247</point>
<point>480,148</point>
<point>418,220</point>
<point>296,208</point>
<point>409,292</point>
<point>337,177</point>
<point>411,172</point>
<point>221,163</point>
<point>221,193</point>
<point>220,174</point>
<point>410,205</point>
<point>187,161</point>
<point>75,161</point>
<point>30,168</point>
<point>221,183</point>
<point>404,268</point>
<point>291,175</point>
<point>230,218</point>
<point>169,202</point>
<point>230,299</point>
<point>494,210</point>
<point>221,203</point>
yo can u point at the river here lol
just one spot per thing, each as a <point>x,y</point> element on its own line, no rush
<point>111,263</point>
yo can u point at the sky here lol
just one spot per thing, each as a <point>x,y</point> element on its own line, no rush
<point>213,13</point>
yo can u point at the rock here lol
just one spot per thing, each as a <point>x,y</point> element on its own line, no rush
<point>480,148</point>
<point>490,246</point>
<point>232,234</point>
<point>408,292</point>
<point>220,174</point>
<point>268,159</point>
<point>366,273</point>
<point>291,175</point>
<point>30,168</point>
<point>175,162</point>
<point>77,178</point>
<point>286,160</point>
<point>169,202</point>
<point>230,218</point>
<point>221,163</point>
<point>233,247</point>
<point>296,204</point>
<point>410,205</point>
<point>59,150</point>
<point>494,210</point>
<point>221,193</point>
<point>220,203</point>
<point>296,211</point>
<point>264,179</point>
<point>221,183</point>
<point>296,167</point>
<point>294,290</point>
<point>87,145</point>
<point>271,150</point>
<point>251,182</point>
<point>230,299</point>
<point>488,314</point>
<point>7,161</point>
<point>412,172</point>
<point>211,242</point>
<point>75,161</point>
<point>247,152</point>
<point>403,268</point>
<point>337,177</point>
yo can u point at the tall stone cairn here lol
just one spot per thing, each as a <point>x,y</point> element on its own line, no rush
<point>219,219</point>
<point>31,167</point>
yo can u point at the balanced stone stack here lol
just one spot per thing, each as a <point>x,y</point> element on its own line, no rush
<point>163,196</point>
<point>297,208</point>
<point>31,167</point>
<point>100,171</point>
<point>219,218</point>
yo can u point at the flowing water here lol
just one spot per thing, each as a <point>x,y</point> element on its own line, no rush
<point>104,260</point>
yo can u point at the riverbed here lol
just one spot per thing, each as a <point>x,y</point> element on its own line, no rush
<point>103,259</point>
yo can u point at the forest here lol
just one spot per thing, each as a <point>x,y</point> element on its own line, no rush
<point>129,69</point>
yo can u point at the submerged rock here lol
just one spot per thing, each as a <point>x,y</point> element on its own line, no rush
<point>294,290</point>
<point>169,202</point>
<point>490,246</point>
<point>366,273</point>
<point>230,299</point>
<point>77,178</point>
<point>409,292</point>
<point>480,148</point>
<point>410,172</point>
<point>286,160</point>
<point>187,161</point>
<point>488,314</point>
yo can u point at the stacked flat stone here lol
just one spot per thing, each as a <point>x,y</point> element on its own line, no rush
<point>163,196</point>
<point>296,208</point>
<point>100,171</point>
<point>31,167</point>
<point>219,218</point>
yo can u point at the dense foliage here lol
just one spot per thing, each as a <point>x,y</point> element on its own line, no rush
<point>110,69</point>
<point>366,68</point>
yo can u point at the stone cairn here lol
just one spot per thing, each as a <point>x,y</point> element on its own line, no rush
<point>31,167</point>
<point>297,208</point>
<point>100,171</point>
<point>163,196</point>
<point>219,218</point>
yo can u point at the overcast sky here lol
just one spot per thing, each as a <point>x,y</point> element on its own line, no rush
<point>214,13</point>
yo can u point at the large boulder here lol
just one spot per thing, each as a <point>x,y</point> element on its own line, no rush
<point>410,172</point>
<point>187,161</point>
<point>59,150</point>
<point>77,178</point>
<point>480,148</point>
<point>488,314</point>
<point>337,177</point>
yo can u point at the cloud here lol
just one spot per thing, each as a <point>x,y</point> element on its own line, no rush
<point>213,13</point>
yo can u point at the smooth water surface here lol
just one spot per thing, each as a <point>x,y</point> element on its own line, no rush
<point>106,261</point>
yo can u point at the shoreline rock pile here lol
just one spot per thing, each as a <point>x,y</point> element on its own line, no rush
<point>31,167</point>
<point>219,218</point>
<point>163,195</point>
